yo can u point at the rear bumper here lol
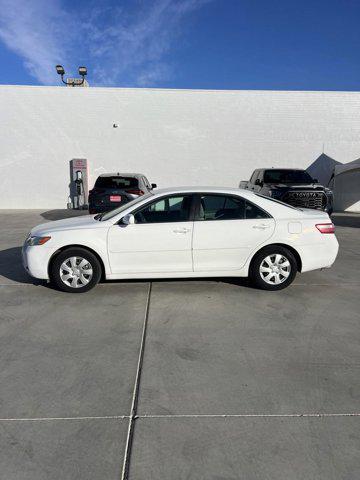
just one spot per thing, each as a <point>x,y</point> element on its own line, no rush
<point>320,255</point>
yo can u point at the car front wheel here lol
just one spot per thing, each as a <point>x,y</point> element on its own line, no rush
<point>75,270</point>
<point>273,268</point>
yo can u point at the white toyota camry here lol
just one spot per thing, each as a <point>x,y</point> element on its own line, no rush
<point>184,232</point>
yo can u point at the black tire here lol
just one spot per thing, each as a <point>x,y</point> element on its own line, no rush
<point>256,276</point>
<point>80,253</point>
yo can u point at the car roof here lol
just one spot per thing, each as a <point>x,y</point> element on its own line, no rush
<point>282,168</point>
<point>273,207</point>
<point>204,189</point>
<point>119,174</point>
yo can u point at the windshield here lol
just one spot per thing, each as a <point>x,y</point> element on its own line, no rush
<point>287,176</point>
<point>116,211</point>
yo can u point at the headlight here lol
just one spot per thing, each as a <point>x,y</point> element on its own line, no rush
<point>328,191</point>
<point>32,241</point>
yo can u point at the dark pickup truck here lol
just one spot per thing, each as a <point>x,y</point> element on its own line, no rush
<point>292,186</point>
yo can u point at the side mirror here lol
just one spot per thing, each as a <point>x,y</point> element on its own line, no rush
<point>128,219</point>
<point>315,180</point>
<point>258,182</point>
<point>153,185</point>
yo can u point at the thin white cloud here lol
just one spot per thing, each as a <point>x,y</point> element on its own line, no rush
<point>38,31</point>
<point>134,49</point>
<point>127,48</point>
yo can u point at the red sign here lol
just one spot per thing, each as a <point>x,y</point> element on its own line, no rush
<point>115,198</point>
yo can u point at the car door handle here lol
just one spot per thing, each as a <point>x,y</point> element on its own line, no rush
<point>261,227</point>
<point>181,230</point>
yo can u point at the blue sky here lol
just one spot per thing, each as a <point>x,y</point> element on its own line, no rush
<point>215,44</point>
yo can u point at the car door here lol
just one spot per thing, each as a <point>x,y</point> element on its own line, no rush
<point>227,228</point>
<point>158,242</point>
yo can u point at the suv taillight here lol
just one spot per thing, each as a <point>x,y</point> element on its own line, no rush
<point>135,191</point>
<point>325,227</point>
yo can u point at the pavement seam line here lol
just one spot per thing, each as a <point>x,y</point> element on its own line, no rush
<point>135,397</point>
<point>253,415</point>
<point>189,415</point>
<point>50,419</point>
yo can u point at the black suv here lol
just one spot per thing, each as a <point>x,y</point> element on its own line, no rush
<point>290,185</point>
<point>114,189</point>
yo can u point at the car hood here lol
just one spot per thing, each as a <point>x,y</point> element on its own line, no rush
<point>298,186</point>
<point>86,221</point>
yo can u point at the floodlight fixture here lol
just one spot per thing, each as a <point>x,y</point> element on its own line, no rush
<point>73,82</point>
<point>60,70</point>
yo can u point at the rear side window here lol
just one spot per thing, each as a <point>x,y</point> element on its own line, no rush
<point>252,211</point>
<point>116,182</point>
<point>221,207</point>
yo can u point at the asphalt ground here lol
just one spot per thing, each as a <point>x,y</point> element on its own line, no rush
<point>185,379</point>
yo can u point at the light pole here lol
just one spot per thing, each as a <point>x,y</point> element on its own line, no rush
<point>74,82</point>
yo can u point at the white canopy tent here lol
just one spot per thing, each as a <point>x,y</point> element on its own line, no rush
<point>347,187</point>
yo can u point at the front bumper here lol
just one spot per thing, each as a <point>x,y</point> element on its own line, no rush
<point>36,260</point>
<point>308,199</point>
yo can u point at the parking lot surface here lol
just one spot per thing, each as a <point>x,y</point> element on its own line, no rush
<point>235,383</point>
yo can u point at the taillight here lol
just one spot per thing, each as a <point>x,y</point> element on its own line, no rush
<point>325,227</point>
<point>135,191</point>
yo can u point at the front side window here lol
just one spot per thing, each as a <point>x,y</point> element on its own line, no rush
<point>221,207</point>
<point>167,209</point>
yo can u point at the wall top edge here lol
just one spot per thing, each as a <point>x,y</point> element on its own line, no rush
<point>179,90</point>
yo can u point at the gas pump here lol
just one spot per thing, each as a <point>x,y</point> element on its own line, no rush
<point>79,189</point>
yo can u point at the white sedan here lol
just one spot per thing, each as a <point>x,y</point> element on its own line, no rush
<point>184,232</point>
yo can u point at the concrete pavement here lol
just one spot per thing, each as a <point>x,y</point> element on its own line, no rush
<point>235,384</point>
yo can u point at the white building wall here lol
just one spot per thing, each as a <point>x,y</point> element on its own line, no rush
<point>175,137</point>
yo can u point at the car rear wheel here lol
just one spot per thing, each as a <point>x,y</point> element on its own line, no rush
<point>273,268</point>
<point>75,270</point>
